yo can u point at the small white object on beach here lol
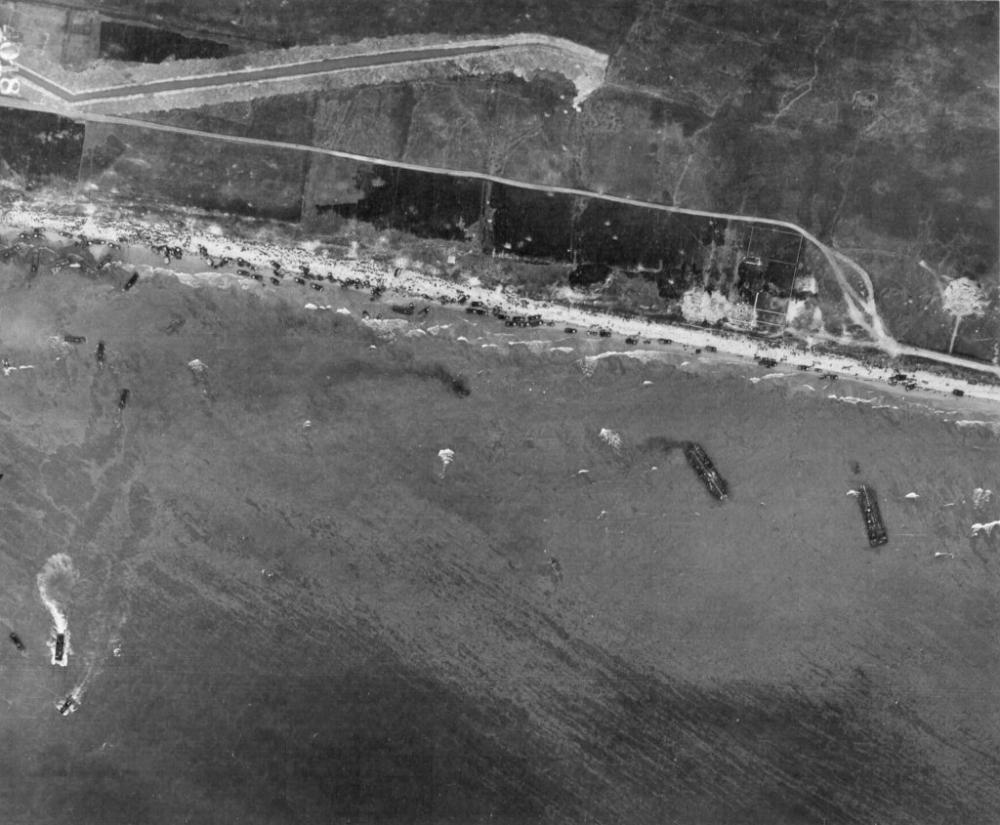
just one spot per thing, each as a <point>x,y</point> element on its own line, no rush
<point>647,383</point>
<point>912,496</point>
<point>197,366</point>
<point>985,528</point>
<point>310,306</point>
<point>343,311</point>
<point>852,492</point>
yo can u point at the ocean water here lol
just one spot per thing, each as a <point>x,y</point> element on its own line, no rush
<point>287,608</point>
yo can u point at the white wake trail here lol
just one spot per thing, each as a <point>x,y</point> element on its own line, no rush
<point>58,566</point>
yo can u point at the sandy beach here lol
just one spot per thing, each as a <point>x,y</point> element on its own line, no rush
<point>407,283</point>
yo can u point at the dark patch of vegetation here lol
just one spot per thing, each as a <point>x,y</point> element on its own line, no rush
<point>145,44</point>
<point>40,148</point>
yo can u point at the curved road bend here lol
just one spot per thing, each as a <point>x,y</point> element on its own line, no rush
<point>326,65</point>
<point>890,345</point>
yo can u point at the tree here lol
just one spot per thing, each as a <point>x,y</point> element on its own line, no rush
<point>963,297</point>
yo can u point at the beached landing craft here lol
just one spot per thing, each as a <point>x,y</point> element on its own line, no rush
<point>874,526</point>
<point>703,466</point>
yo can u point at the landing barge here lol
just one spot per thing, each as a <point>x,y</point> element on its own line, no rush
<point>703,466</point>
<point>874,526</point>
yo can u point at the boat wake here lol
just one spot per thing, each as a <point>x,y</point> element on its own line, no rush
<point>57,571</point>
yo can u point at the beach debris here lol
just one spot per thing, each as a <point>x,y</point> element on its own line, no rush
<point>981,497</point>
<point>74,339</point>
<point>912,496</point>
<point>874,526</point>
<point>647,383</point>
<point>123,400</point>
<point>986,527</point>
<point>612,439</point>
<point>307,424</point>
<point>703,466</point>
<point>16,640</point>
<point>941,554</point>
<point>99,354</point>
<point>446,457</point>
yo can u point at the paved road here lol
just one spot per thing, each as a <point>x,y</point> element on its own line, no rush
<point>238,76</point>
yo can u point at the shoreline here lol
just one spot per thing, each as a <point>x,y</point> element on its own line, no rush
<point>361,274</point>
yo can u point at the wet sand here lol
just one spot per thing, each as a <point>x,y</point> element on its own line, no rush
<point>315,624</point>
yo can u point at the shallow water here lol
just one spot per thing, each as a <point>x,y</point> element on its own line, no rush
<point>315,623</point>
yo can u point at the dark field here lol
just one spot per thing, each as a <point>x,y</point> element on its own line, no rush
<point>316,625</point>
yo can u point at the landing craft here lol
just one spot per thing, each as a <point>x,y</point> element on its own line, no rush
<point>60,649</point>
<point>123,400</point>
<point>874,526</point>
<point>67,706</point>
<point>17,641</point>
<point>131,282</point>
<point>703,466</point>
